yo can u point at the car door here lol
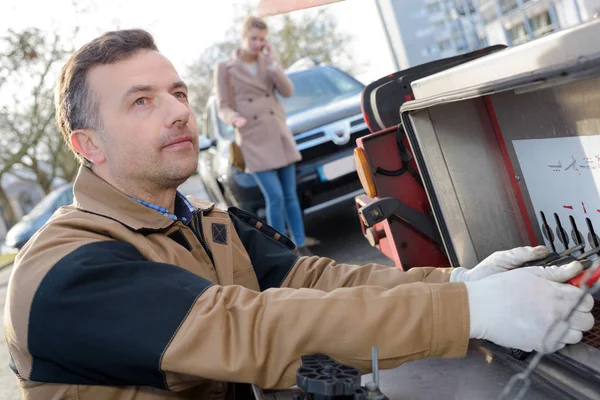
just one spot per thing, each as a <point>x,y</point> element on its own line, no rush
<point>222,134</point>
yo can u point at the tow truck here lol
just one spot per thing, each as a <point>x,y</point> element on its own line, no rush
<point>487,151</point>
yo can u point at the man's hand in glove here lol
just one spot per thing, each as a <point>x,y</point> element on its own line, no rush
<point>517,309</point>
<point>500,261</point>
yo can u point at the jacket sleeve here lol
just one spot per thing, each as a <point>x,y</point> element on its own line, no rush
<point>325,274</point>
<point>104,315</point>
<point>276,265</point>
<point>282,82</point>
<point>223,92</point>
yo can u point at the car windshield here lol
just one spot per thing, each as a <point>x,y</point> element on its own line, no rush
<point>318,86</point>
<point>51,202</point>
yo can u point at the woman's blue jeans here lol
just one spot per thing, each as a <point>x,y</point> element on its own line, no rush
<point>278,187</point>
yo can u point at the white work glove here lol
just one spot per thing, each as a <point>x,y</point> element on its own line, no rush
<point>517,309</point>
<point>500,261</point>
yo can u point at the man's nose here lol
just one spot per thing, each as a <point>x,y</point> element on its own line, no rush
<point>176,112</point>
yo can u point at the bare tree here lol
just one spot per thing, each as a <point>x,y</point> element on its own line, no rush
<point>25,65</point>
<point>314,34</point>
<point>29,65</point>
<point>200,73</point>
<point>31,146</point>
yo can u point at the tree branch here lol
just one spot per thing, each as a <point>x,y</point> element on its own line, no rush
<point>23,177</point>
<point>42,78</point>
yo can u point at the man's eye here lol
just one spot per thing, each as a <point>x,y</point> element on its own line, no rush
<point>181,95</point>
<point>140,102</point>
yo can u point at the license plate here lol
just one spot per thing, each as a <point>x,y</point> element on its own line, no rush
<point>337,168</point>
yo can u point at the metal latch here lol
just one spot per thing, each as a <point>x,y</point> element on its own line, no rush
<point>387,207</point>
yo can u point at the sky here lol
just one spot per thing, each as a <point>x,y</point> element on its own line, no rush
<point>184,28</point>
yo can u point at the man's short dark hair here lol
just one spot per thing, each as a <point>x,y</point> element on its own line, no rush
<point>76,107</point>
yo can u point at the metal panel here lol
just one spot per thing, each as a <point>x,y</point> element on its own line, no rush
<point>458,240</point>
<point>458,137</point>
<point>469,177</point>
<point>481,192</point>
<point>564,111</point>
<point>568,47</point>
<point>535,96</point>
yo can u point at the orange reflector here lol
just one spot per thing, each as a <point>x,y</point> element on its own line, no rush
<point>365,174</point>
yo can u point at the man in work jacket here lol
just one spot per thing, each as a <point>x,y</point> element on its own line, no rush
<point>135,292</point>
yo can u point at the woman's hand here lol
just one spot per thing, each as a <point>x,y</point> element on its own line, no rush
<point>238,122</point>
<point>267,54</point>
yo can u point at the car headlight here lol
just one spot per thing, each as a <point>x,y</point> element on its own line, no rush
<point>12,239</point>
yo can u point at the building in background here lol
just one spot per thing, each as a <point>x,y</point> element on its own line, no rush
<point>514,22</point>
<point>420,31</point>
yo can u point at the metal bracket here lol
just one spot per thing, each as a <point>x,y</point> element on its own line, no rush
<point>387,207</point>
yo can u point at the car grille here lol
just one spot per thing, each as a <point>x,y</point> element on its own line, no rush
<point>328,192</point>
<point>328,148</point>
<point>314,136</point>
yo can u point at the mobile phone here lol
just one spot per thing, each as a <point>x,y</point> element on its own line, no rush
<point>264,50</point>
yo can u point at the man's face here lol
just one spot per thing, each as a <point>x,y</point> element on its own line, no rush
<point>149,135</point>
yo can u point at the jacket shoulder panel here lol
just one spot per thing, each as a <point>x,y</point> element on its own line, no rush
<point>104,315</point>
<point>203,205</point>
<point>271,253</point>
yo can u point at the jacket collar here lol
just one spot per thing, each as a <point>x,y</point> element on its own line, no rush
<point>94,195</point>
<point>238,68</point>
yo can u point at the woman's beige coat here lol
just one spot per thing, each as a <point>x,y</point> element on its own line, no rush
<point>266,141</point>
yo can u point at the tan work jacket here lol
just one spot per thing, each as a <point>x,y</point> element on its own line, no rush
<point>112,300</point>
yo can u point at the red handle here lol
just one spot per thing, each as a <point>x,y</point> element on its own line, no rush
<point>578,280</point>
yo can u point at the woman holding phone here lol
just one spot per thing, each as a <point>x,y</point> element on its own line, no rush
<point>245,86</point>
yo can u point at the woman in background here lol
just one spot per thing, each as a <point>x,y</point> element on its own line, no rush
<point>245,87</point>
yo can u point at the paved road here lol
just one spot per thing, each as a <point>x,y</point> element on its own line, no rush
<point>338,233</point>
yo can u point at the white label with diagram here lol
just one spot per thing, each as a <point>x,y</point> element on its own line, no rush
<point>562,176</point>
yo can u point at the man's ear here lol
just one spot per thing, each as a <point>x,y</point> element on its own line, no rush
<point>87,143</point>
